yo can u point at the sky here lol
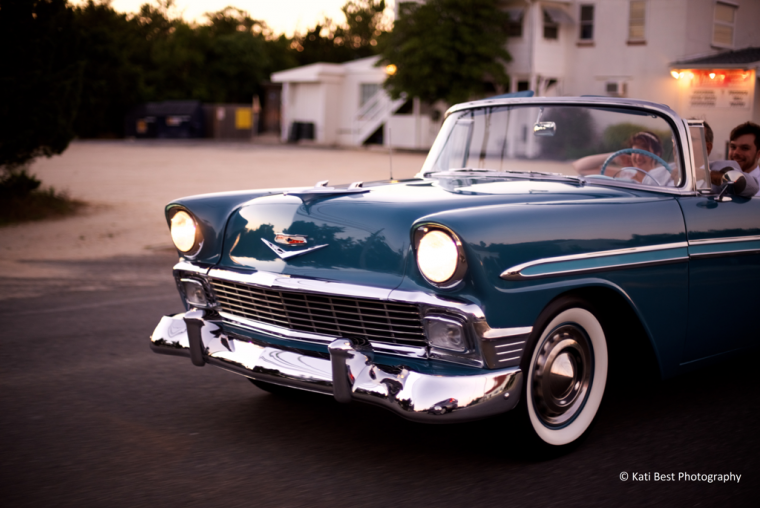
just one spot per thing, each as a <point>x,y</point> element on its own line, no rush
<point>282,16</point>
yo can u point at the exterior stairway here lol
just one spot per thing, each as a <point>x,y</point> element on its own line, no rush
<point>374,113</point>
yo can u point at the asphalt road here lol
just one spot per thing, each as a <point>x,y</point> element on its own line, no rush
<point>89,416</point>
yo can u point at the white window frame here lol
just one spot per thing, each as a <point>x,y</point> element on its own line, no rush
<point>726,3</point>
<point>644,36</point>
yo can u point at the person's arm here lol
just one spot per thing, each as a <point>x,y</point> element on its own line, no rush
<point>591,163</point>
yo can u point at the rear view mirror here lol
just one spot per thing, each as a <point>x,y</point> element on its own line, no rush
<point>547,129</point>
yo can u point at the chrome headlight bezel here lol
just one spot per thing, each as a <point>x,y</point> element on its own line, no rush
<point>198,237</point>
<point>459,269</point>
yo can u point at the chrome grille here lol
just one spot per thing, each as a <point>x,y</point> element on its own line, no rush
<point>394,323</point>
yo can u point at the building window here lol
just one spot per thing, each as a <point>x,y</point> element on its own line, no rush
<point>368,90</point>
<point>723,24</point>
<point>515,24</point>
<point>551,27</point>
<point>636,20</point>
<point>523,86</point>
<point>587,23</point>
<point>616,88</point>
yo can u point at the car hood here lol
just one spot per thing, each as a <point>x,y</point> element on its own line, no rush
<point>366,235</point>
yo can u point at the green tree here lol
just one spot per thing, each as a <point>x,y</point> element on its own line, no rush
<point>40,79</point>
<point>364,24</point>
<point>451,50</point>
<point>114,53</point>
<point>336,43</point>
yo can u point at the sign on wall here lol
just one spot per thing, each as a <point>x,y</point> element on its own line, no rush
<point>719,98</point>
<point>726,89</point>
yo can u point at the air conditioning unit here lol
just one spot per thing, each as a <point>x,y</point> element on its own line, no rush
<point>616,88</point>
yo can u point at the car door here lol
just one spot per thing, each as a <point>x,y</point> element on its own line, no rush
<point>724,269</point>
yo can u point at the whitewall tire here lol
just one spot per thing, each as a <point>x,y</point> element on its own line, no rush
<point>566,376</point>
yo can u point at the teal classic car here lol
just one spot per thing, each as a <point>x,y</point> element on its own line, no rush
<point>544,244</point>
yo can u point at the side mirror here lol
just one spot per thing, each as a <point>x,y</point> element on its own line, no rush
<point>735,181</point>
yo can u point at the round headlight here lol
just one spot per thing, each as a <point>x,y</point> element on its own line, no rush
<point>183,231</point>
<point>437,256</point>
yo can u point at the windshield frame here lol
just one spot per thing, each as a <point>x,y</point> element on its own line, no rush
<point>677,125</point>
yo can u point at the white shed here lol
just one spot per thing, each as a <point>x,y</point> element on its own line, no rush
<point>345,104</point>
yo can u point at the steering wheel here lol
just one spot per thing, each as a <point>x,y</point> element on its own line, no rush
<point>632,151</point>
<point>634,168</point>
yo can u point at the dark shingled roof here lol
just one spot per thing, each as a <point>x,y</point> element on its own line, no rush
<point>738,57</point>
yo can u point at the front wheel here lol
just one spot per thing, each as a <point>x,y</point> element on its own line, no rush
<point>567,372</point>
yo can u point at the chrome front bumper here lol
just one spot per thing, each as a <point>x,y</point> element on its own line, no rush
<point>347,373</point>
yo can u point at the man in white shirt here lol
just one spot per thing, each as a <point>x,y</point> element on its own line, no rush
<point>744,148</point>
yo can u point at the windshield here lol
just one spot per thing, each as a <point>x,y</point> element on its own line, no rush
<point>600,143</point>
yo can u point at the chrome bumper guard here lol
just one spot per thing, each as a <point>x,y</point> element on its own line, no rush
<point>348,374</point>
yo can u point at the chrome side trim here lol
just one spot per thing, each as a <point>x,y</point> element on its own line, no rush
<point>349,375</point>
<point>733,239</point>
<point>515,273</point>
<point>732,246</point>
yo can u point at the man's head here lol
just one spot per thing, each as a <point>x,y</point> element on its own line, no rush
<point>744,147</point>
<point>708,138</point>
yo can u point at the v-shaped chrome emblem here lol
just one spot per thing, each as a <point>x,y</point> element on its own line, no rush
<point>286,254</point>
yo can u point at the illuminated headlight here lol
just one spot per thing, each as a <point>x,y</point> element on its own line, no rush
<point>439,256</point>
<point>445,333</point>
<point>184,231</point>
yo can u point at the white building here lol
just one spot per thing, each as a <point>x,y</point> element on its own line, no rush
<point>345,104</point>
<point>634,48</point>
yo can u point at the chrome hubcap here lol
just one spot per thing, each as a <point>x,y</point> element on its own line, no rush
<point>561,375</point>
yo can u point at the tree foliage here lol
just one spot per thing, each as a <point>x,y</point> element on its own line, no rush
<point>451,50</point>
<point>40,79</point>
<point>357,38</point>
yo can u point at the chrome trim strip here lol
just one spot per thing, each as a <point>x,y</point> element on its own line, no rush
<point>699,249</point>
<point>278,280</point>
<point>509,344</point>
<point>515,273</point>
<point>189,267</point>
<point>503,333</point>
<point>276,331</point>
<point>733,239</point>
<point>315,338</point>
<point>350,375</point>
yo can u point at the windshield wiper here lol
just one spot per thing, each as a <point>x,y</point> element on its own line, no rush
<point>539,175</point>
